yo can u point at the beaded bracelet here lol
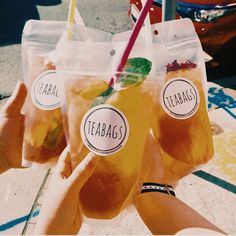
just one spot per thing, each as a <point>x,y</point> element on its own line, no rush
<point>155,187</point>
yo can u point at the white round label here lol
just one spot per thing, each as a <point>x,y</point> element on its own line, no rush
<point>104,130</point>
<point>180,98</point>
<point>46,92</point>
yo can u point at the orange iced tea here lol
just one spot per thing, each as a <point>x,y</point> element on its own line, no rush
<point>186,138</point>
<point>114,127</point>
<point>44,137</point>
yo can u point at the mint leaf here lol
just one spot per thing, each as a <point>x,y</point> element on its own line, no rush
<point>52,137</point>
<point>137,70</point>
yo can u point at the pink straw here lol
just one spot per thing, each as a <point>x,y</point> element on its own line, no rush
<point>132,39</point>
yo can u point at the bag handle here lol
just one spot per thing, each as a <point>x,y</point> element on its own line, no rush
<point>71,18</point>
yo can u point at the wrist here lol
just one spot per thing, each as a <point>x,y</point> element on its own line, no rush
<point>157,187</point>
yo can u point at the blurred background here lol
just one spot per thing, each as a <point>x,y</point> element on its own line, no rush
<point>14,14</point>
<point>215,23</point>
<point>214,20</point>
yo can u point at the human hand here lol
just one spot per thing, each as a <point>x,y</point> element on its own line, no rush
<point>60,213</point>
<point>165,214</point>
<point>159,167</point>
<point>12,129</point>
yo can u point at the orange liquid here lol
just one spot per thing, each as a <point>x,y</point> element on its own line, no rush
<point>113,184</point>
<point>37,131</point>
<point>44,137</point>
<point>188,141</point>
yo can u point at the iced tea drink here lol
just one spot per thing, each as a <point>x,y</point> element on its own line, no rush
<point>113,124</point>
<point>181,124</point>
<point>44,137</point>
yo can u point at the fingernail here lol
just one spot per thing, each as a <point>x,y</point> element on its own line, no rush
<point>18,84</point>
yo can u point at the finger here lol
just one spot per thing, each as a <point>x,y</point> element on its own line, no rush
<point>64,157</point>
<point>63,167</point>
<point>16,101</point>
<point>84,170</point>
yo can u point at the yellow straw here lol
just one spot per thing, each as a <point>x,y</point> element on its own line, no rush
<point>71,17</point>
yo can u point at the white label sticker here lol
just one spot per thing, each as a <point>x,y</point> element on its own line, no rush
<point>46,92</point>
<point>104,130</point>
<point>180,98</point>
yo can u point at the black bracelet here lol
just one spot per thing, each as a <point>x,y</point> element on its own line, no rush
<point>155,187</point>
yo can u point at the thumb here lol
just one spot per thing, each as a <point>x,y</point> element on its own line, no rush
<point>84,170</point>
<point>14,104</point>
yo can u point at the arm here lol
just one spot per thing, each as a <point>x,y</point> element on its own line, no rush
<point>165,214</point>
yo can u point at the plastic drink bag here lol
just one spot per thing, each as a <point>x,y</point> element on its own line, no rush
<point>111,122</point>
<point>180,122</point>
<point>44,137</point>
